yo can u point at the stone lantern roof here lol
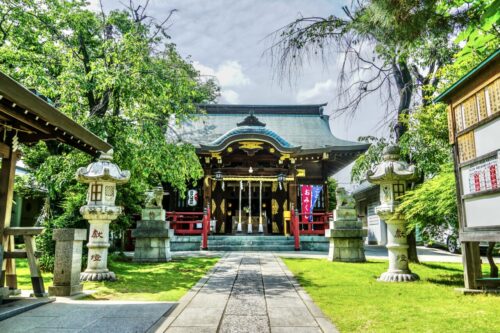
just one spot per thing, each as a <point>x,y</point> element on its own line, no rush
<point>391,168</point>
<point>103,170</point>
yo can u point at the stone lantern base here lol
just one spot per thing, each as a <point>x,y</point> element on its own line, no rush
<point>97,276</point>
<point>398,277</point>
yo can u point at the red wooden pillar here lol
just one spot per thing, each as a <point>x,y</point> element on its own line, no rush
<point>296,231</point>
<point>205,223</point>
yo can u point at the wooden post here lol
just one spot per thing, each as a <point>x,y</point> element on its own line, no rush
<point>207,191</point>
<point>296,232</point>
<point>36,276</point>
<point>7,175</point>
<point>471,259</point>
<point>205,226</point>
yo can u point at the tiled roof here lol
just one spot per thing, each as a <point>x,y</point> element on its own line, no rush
<point>308,129</point>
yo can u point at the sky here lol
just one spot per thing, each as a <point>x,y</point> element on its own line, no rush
<point>228,39</point>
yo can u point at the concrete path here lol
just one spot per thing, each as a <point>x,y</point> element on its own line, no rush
<point>247,292</point>
<point>67,316</point>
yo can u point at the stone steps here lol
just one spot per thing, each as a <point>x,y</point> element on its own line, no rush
<point>270,248</point>
<point>249,243</point>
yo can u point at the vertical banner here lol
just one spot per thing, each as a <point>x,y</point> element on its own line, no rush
<point>306,201</point>
<point>316,191</point>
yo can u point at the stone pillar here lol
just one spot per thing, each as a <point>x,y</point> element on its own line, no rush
<point>346,231</point>
<point>393,174</point>
<point>68,261</point>
<point>102,177</point>
<point>152,237</point>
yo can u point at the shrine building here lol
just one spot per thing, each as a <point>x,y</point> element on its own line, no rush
<point>259,162</point>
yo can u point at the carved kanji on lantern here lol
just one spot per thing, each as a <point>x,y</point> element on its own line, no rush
<point>102,177</point>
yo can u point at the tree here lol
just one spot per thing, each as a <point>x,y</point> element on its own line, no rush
<point>332,185</point>
<point>396,48</point>
<point>119,75</point>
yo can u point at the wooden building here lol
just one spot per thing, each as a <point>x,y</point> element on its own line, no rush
<point>474,127</point>
<point>27,118</point>
<point>255,158</point>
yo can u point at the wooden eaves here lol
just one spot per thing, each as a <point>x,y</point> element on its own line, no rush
<point>22,109</point>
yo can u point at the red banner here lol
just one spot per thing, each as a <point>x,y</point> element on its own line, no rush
<point>306,200</point>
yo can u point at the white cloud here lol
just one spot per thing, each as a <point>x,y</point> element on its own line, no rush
<point>228,74</point>
<point>230,96</point>
<point>320,89</point>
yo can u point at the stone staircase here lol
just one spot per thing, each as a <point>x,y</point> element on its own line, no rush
<point>250,243</point>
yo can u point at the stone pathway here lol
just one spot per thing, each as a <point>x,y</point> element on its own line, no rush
<point>67,316</point>
<point>247,292</point>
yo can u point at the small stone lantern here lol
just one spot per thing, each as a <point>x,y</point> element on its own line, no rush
<point>393,175</point>
<point>102,177</point>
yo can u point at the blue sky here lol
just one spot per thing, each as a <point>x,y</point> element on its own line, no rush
<point>227,39</point>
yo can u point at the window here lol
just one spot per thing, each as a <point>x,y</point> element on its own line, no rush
<point>96,192</point>
<point>398,190</point>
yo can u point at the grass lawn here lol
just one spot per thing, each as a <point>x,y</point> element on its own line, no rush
<point>139,282</point>
<point>350,295</point>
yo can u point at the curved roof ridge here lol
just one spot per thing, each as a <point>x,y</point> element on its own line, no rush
<point>250,130</point>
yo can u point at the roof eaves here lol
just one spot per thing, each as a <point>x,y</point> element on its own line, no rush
<point>28,100</point>
<point>466,77</point>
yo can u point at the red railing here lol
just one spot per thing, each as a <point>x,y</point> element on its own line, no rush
<point>191,223</point>
<point>318,225</point>
<point>186,223</point>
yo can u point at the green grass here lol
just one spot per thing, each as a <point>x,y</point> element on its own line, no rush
<point>350,295</point>
<point>139,282</point>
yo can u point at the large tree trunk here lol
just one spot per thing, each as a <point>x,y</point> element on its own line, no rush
<point>489,255</point>
<point>404,83</point>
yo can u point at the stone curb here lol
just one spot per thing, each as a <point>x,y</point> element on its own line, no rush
<point>323,321</point>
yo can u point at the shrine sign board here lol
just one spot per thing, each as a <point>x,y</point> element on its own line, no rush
<point>474,128</point>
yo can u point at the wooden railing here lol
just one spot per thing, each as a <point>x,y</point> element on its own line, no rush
<point>186,223</point>
<point>318,225</point>
<point>191,223</point>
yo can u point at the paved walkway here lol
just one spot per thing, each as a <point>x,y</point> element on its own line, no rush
<point>67,316</point>
<point>247,292</point>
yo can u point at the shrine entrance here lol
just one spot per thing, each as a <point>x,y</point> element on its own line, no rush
<point>249,205</point>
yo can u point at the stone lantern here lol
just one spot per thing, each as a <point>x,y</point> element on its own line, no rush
<point>393,175</point>
<point>102,177</point>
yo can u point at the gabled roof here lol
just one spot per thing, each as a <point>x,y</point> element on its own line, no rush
<point>302,126</point>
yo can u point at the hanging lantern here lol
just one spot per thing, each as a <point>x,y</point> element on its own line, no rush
<point>218,175</point>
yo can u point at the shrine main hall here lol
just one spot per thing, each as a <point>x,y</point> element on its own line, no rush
<point>257,161</point>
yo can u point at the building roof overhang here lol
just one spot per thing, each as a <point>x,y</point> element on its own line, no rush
<point>447,94</point>
<point>22,109</point>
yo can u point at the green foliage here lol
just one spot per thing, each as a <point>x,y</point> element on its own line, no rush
<point>433,202</point>
<point>119,75</point>
<point>369,159</point>
<point>482,33</point>
<point>425,143</point>
<point>332,199</point>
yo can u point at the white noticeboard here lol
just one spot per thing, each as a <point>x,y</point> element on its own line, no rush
<point>483,176</point>
<point>482,211</point>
